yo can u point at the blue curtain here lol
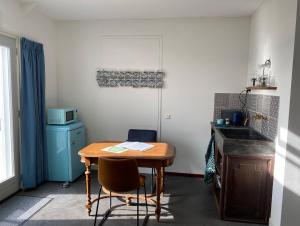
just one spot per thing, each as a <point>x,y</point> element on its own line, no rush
<point>33,121</point>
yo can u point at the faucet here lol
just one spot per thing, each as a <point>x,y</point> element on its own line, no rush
<point>259,116</point>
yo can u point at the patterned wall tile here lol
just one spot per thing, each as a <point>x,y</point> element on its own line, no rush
<point>274,107</point>
<point>258,125</point>
<point>265,127</point>
<point>251,102</point>
<point>227,113</point>
<point>251,120</point>
<point>266,105</point>
<point>234,101</point>
<point>259,103</point>
<point>217,113</point>
<point>273,125</point>
<point>221,99</point>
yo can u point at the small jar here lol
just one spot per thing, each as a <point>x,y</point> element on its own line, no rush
<point>227,121</point>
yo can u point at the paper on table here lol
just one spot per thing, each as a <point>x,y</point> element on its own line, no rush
<point>137,146</point>
<point>115,149</point>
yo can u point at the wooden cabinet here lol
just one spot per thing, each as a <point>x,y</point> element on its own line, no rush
<point>243,186</point>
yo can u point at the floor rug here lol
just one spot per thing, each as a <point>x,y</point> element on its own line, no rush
<point>18,209</point>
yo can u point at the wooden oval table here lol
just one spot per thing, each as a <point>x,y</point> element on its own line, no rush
<point>160,156</point>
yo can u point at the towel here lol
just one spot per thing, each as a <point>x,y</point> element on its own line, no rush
<point>210,168</point>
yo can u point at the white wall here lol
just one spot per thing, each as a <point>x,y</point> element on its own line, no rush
<point>272,35</point>
<point>200,57</point>
<point>291,191</point>
<point>19,20</point>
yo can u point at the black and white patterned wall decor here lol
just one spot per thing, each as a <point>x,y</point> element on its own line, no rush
<point>136,79</point>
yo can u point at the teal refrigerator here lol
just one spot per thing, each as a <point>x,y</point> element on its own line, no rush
<point>63,144</point>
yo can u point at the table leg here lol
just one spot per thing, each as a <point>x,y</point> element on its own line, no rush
<point>158,191</point>
<point>88,203</point>
<point>163,180</point>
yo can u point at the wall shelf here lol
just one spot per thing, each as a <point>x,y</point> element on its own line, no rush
<point>261,88</point>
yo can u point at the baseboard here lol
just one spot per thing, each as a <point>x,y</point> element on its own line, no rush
<point>184,174</point>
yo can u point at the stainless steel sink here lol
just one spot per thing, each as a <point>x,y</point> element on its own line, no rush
<point>242,134</point>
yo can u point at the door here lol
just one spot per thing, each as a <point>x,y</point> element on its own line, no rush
<point>116,110</point>
<point>9,156</point>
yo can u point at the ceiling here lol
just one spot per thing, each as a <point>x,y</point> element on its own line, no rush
<point>133,9</point>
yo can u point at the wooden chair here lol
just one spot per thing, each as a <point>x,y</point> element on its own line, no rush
<point>120,175</point>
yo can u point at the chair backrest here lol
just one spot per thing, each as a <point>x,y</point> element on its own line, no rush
<point>142,135</point>
<point>118,175</point>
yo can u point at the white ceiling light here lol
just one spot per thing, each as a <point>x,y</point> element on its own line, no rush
<point>133,9</point>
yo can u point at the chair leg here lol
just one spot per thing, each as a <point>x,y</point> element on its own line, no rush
<point>152,181</point>
<point>146,202</point>
<point>164,181</point>
<point>137,206</point>
<point>109,199</point>
<point>147,215</point>
<point>97,205</point>
<point>107,213</point>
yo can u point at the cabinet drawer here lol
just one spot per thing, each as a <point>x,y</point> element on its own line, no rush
<point>77,138</point>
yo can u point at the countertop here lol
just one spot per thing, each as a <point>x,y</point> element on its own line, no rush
<point>229,146</point>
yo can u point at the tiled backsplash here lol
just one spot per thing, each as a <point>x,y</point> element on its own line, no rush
<point>226,101</point>
<point>266,105</point>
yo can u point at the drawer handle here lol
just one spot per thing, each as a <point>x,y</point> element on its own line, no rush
<point>73,142</point>
<point>78,133</point>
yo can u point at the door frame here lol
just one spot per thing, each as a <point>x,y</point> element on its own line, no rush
<point>12,185</point>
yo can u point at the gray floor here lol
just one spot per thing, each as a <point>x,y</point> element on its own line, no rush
<point>188,201</point>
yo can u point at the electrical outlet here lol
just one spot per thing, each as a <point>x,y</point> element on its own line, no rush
<point>167,116</point>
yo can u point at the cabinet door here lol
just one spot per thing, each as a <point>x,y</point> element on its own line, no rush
<point>76,142</point>
<point>77,138</point>
<point>247,188</point>
<point>57,155</point>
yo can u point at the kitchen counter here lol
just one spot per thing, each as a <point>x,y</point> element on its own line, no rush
<point>230,146</point>
<point>242,185</point>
